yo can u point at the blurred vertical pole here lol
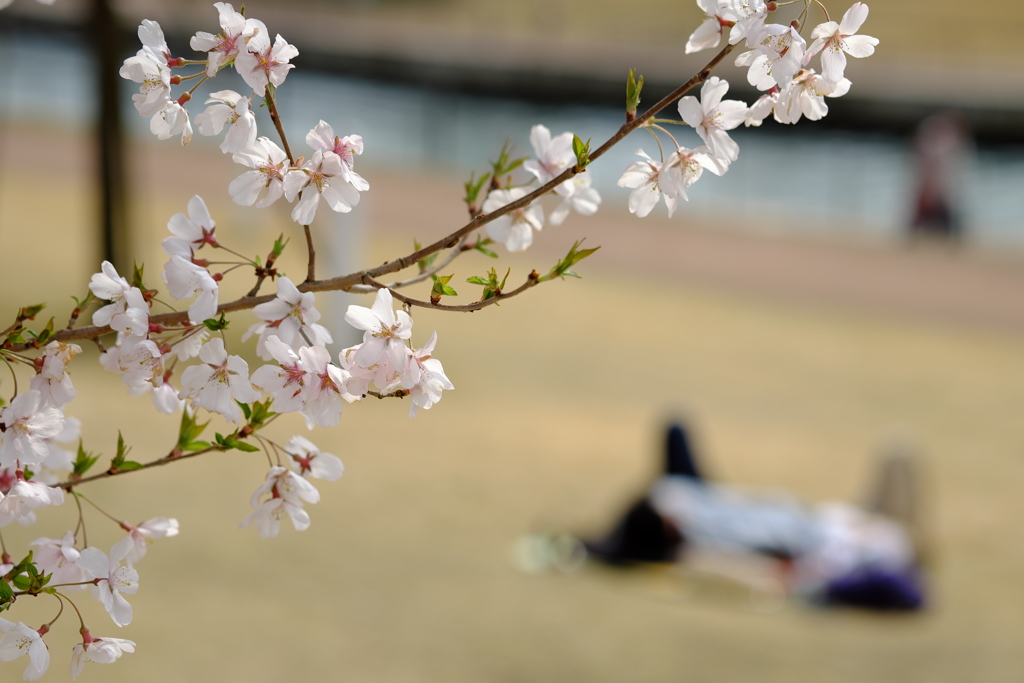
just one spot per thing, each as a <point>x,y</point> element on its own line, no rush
<point>105,39</point>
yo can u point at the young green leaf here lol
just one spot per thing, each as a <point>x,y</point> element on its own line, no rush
<point>216,324</point>
<point>562,268</point>
<point>581,150</point>
<point>633,87</point>
<point>83,461</point>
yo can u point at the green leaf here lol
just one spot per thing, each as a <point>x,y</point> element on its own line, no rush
<point>216,324</point>
<point>441,287</point>
<point>473,187</point>
<point>581,150</point>
<point>84,461</point>
<point>261,412</point>
<point>119,462</point>
<point>633,87</point>
<point>137,273</point>
<point>490,283</point>
<point>188,433</point>
<point>244,446</point>
<point>279,245</point>
<point>30,312</point>
<point>479,246</point>
<point>562,268</point>
<point>424,263</point>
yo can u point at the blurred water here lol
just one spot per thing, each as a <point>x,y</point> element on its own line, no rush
<point>858,184</point>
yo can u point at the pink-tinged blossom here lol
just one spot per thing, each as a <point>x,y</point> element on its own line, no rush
<point>218,382</point>
<point>144,534</point>
<point>322,138</point>
<point>108,286</point>
<point>743,18</point>
<point>263,185</point>
<point>325,389</point>
<point>59,557</point>
<point>165,398</point>
<point>113,579</point>
<point>285,381</point>
<point>310,460</point>
<point>291,317</point>
<point>27,425</point>
<point>53,381</point>
<point>805,96</point>
<point>228,108</point>
<point>98,650</point>
<point>171,120</point>
<point>26,496</point>
<point>685,167</point>
<point>261,64</point>
<point>322,176</point>
<point>648,185</point>
<point>288,491</point>
<point>835,41</point>
<point>17,640</point>
<point>424,378</point>
<point>385,331</point>
<point>224,47</point>
<point>190,232</point>
<point>514,229</point>
<point>553,155</point>
<point>184,279</point>
<point>188,346</point>
<point>59,459</point>
<point>139,362</point>
<point>712,117</point>
<point>777,57</point>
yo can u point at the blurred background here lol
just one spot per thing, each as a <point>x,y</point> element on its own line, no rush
<point>789,313</point>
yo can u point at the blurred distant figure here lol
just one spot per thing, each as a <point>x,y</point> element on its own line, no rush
<point>941,149</point>
<point>831,553</point>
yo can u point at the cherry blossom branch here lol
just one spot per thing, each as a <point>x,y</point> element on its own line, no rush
<point>532,280</point>
<point>311,262</point>
<point>369,276</point>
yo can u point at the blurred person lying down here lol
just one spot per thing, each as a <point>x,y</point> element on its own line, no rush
<point>830,553</point>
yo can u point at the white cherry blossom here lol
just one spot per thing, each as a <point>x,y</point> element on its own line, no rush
<point>171,120</point>
<point>312,461</point>
<point>224,47</point>
<point>98,650</point>
<point>218,382</point>
<point>777,57</point>
<point>263,185</point>
<point>322,176</point>
<point>514,229</point>
<point>291,317</point>
<point>284,381</point>
<point>190,232</point>
<point>648,185</point>
<point>114,580</point>
<point>184,279</point>
<point>424,378</point>
<point>261,64</point>
<point>835,41</point>
<point>26,496</point>
<point>53,382</point>
<point>17,640</point>
<point>228,108</point>
<point>324,392</point>
<point>385,331</point>
<point>27,425</point>
<point>288,491</point>
<point>60,558</point>
<point>712,117</point>
<point>151,72</point>
<point>144,534</point>
<point>108,286</point>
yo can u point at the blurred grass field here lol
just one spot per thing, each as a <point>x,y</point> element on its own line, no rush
<point>561,395</point>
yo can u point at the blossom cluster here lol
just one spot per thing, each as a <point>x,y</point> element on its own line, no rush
<point>778,61</point>
<point>244,43</point>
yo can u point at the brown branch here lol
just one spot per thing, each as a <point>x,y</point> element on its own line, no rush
<point>532,280</point>
<point>276,118</point>
<point>311,263</point>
